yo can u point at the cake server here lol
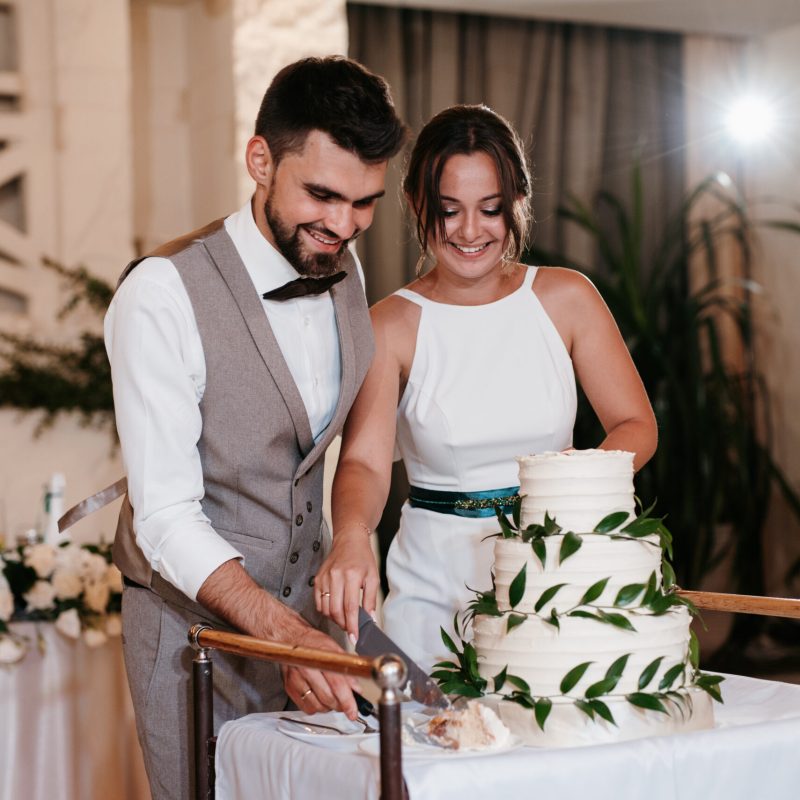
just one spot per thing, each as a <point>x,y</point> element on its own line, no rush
<point>372,641</point>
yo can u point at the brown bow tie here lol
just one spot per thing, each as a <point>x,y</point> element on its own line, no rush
<point>301,287</point>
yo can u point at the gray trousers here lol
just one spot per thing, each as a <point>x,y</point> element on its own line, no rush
<point>158,660</point>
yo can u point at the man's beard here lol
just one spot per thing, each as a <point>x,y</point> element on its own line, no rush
<point>290,246</point>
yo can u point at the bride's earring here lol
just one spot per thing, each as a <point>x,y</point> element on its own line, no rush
<point>420,263</point>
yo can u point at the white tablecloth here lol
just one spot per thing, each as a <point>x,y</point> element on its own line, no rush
<point>66,723</point>
<point>753,752</point>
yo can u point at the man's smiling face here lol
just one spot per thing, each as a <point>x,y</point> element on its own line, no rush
<point>319,200</point>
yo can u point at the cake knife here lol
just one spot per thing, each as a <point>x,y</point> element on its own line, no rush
<point>372,641</point>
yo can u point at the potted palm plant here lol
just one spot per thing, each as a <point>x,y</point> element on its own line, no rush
<point>714,473</point>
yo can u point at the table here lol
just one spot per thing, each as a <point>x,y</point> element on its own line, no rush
<point>753,752</point>
<point>66,723</point>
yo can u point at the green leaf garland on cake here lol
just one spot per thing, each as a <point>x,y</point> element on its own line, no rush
<point>664,694</point>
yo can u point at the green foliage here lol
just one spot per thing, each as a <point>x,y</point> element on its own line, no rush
<point>714,463</point>
<point>55,378</point>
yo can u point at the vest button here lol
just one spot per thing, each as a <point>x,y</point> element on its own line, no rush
<point>287,590</point>
<point>311,581</point>
<point>293,558</point>
<point>298,520</point>
<point>315,546</point>
<point>308,506</point>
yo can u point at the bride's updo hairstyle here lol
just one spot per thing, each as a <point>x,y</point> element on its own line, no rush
<point>463,130</point>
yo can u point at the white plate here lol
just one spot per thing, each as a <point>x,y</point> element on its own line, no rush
<point>419,750</point>
<point>320,737</point>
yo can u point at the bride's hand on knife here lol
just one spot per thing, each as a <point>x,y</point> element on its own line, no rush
<point>348,570</point>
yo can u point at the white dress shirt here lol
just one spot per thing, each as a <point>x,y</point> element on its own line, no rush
<point>159,375</point>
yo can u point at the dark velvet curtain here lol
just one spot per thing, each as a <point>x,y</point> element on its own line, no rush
<point>589,102</point>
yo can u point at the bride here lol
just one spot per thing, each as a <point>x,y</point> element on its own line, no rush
<point>475,363</point>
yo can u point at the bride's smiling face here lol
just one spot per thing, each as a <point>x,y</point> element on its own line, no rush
<point>472,208</point>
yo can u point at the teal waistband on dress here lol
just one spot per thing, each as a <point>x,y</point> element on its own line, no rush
<point>464,504</point>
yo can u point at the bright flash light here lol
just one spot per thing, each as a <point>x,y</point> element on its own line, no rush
<point>751,119</point>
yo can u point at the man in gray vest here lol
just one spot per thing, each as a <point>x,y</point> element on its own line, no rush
<point>236,353</point>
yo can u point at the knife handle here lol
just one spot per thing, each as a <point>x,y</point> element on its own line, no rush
<point>365,708</point>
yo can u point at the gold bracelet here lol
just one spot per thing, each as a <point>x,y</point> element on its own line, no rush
<point>363,527</point>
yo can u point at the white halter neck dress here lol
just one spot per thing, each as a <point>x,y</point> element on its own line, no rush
<point>488,383</point>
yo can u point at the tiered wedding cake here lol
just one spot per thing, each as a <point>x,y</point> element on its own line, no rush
<point>583,641</point>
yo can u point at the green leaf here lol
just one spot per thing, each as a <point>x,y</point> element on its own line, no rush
<point>648,701</point>
<point>517,588</point>
<point>648,673</point>
<point>602,710</point>
<point>667,574</point>
<point>617,620</point>
<point>587,709</point>
<point>499,680</point>
<point>542,711</point>
<point>513,620</point>
<point>455,626</point>
<point>507,530</point>
<point>694,650</point>
<point>522,685</point>
<point>552,619</point>
<point>651,589</point>
<point>608,523</point>
<point>521,698</point>
<point>448,642</point>
<point>628,594</point>
<point>573,676</point>
<point>618,667</point>
<point>569,546</point>
<point>601,687</point>
<point>710,685</point>
<point>642,527</point>
<point>516,510</point>
<point>546,596</point>
<point>550,525</point>
<point>540,550</point>
<point>593,592</point>
<point>446,664</point>
<point>583,614</point>
<point>670,676</point>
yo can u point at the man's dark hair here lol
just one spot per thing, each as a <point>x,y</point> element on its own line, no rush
<point>334,95</point>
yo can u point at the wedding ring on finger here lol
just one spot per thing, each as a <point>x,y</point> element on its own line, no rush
<point>325,594</point>
<point>306,693</point>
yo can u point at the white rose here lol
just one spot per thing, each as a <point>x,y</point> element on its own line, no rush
<point>70,558</point>
<point>40,597</point>
<point>11,650</point>
<point>93,567</point>
<point>114,625</point>
<point>96,595</point>
<point>67,584</point>
<point>94,637</point>
<point>114,579</point>
<point>69,623</point>
<point>42,557</point>
<point>6,599</point>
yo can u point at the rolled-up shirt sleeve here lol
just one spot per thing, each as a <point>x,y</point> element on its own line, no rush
<point>158,374</point>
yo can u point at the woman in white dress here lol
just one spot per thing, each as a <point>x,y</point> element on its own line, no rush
<point>475,364</point>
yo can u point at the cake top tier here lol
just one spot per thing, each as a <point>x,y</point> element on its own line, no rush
<point>577,488</point>
<point>580,463</point>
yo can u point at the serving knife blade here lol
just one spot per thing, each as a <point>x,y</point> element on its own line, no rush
<point>372,641</point>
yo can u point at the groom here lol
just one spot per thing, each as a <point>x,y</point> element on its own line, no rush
<point>236,353</point>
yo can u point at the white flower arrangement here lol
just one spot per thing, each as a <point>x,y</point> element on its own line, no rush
<point>76,587</point>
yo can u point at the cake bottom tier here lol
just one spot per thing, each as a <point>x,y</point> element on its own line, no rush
<point>567,726</point>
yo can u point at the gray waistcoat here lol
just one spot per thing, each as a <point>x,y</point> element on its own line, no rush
<point>261,469</point>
